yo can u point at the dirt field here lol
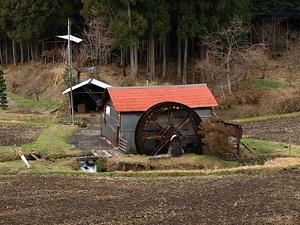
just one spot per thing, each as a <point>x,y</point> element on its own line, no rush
<point>280,130</point>
<point>18,135</point>
<point>66,199</point>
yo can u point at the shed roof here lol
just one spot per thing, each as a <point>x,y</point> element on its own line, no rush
<point>92,81</point>
<point>136,99</point>
<point>72,38</point>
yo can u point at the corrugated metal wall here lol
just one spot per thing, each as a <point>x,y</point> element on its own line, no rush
<point>128,122</point>
<point>127,128</point>
<point>109,125</point>
<point>204,113</point>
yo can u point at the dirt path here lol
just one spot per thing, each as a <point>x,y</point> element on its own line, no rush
<point>65,199</point>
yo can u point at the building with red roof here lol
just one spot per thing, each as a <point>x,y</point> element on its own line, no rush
<point>122,107</point>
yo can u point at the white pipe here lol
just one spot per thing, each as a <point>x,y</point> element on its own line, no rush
<point>25,160</point>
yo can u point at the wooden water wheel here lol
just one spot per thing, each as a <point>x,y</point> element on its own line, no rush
<point>159,123</point>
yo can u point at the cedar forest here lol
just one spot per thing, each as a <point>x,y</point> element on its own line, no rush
<point>205,40</point>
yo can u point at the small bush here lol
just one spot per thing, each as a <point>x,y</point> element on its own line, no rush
<point>101,165</point>
<point>251,97</point>
<point>66,77</point>
<point>215,139</point>
<point>288,105</point>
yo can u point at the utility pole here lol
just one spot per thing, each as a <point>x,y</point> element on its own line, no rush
<point>70,70</point>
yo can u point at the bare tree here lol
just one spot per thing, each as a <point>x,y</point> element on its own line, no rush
<point>270,30</point>
<point>34,89</point>
<point>96,47</point>
<point>222,46</point>
<point>291,59</point>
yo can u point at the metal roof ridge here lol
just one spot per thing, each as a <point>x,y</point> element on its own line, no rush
<point>162,86</point>
<point>89,81</point>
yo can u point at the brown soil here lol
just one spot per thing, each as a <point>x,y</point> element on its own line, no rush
<point>280,130</point>
<point>18,135</point>
<point>66,199</point>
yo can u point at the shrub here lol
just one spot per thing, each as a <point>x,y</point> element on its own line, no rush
<point>215,139</point>
<point>288,105</point>
<point>66,77</point>
<point>251,97</point>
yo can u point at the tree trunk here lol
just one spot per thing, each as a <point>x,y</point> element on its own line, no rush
<point>186,42</point>
<point>14,52</point>
<point>6,50</point>
<point>136,59</point>
<point>164,50</point>
<point>179,58</point>
<point>152,56</point>
<point>228,71</point>
<point>22,53</point>
<point>131,48</point>
<point>31,52</point>
<point>28,50</point>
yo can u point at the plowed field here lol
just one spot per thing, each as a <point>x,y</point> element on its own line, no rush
<point>236,199</point>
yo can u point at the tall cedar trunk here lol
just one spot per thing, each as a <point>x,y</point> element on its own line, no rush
<point>123,62</point>
<point>186,42</point>
<point>6,49</point>
<point>32,52</point>
<point>152,56</point>
<point>14,52</point>
<point>28,51</point>
<point>35,54</point>
<point>22,52</point>
<point>228,70</point>
<point>164,50</point>
<point>179,58</point>
<point>136,64</point>
<point>132,66</point>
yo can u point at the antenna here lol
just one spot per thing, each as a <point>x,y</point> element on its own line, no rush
<point>70,70</point>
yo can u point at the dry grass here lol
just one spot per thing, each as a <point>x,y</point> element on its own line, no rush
<point>272,165</point>
<point>186,162</point>
<point>69,165</point>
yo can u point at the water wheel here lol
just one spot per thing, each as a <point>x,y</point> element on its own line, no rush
<point>159,123</point>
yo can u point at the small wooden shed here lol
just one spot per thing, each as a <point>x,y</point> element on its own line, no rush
<point>236,135</point>
<point>86,95</point>
<point>122,107</point>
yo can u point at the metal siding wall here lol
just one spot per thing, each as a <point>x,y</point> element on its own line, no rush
<point>113,127</point>
<point>204,113</point>
<point>109,125</point>
<point>127,128</point>
<point>128,124</point>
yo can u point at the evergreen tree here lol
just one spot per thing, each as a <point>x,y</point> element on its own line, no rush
<point>3,101</point>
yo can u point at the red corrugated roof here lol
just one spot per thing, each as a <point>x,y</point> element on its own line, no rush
<point>136,99</point>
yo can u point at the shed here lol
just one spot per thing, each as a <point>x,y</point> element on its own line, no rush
<point>86,95</point>
<point>59,41</point>
<point>122,107</point>
<point>236,135</point>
